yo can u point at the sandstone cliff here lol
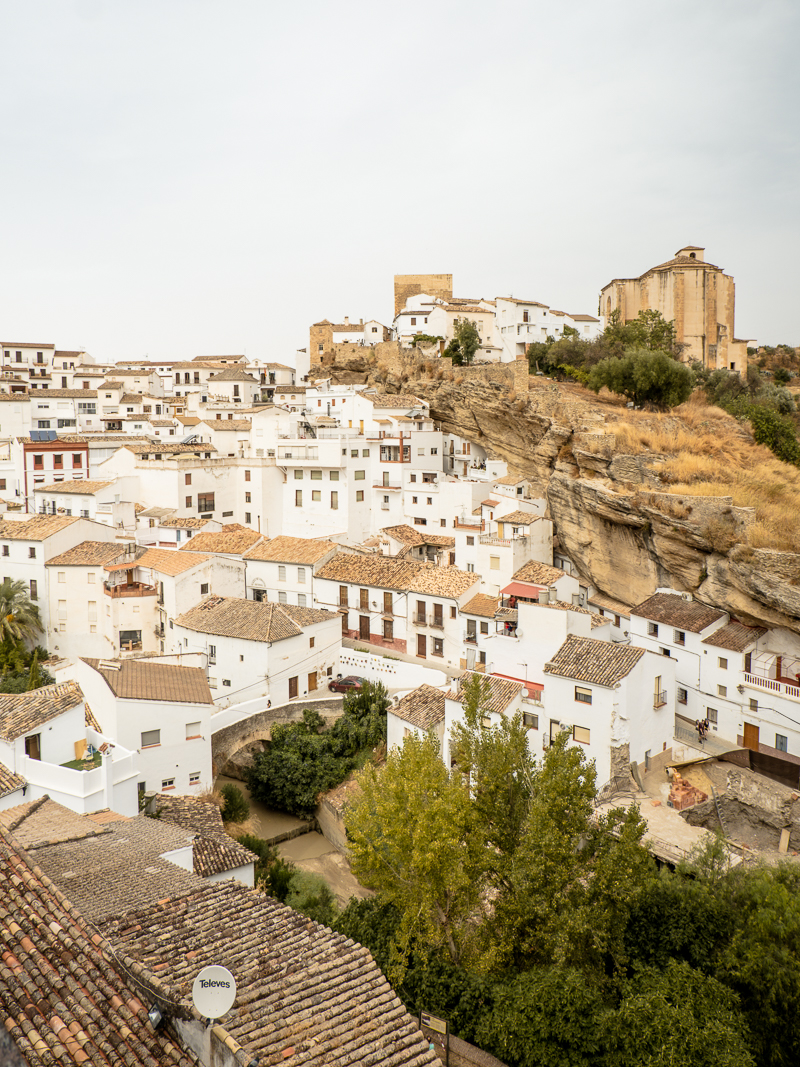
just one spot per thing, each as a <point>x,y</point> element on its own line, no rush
<point>611,516</point>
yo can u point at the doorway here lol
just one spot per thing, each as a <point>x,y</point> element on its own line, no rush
<point>421,646</point>
<point>292,687</point>
<point>33,747</point>
<point>363,627</point>
<point>312,681</point>
<point>751,736</point>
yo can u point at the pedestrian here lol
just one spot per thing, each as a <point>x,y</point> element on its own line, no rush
<point>269,703</point>
<point>699,727</point>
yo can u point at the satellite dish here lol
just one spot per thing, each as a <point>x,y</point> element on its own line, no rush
<point>213,992</point>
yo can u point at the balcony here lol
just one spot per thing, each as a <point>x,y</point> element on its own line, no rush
<point>470,637</point>
<point>437,622</point>
<point>771,685</point>
<point>419,619</point>
<point>383,485</point>
<point>344,602</point>
<point>129,589</point>
<point>660,698</point>
<point>490,539</point>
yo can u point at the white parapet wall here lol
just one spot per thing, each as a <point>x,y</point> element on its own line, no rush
<point>394,673</point>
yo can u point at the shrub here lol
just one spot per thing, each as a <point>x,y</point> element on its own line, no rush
<point>644,377</point>
<point>235,807</point>
<point>273,874</point>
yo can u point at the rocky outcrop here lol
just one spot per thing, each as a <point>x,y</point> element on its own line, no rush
<point>623,533</point>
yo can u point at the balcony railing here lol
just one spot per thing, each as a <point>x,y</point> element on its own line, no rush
<point>132,589</point>
<point>660,698</point>
<point>770,684</point>
<point>437,622</point>
<point>419,619</point>
<point>344,602</point>
<point>491,539</point>
<point>470,637</point>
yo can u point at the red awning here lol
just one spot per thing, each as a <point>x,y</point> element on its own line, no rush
<point>524,589</point>
<point>535,687</point>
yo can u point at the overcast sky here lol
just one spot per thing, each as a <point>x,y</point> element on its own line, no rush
<point>186,177</point>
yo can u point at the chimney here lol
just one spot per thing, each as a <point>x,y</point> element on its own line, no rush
<point>544,596</point>
<point>346,321</point>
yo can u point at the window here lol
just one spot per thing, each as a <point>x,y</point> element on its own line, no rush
<point>167,783</point>
<point>652,629</point>
<point>334,476</point>
<point>354,453</point>
<point>205,501</point>
<point>62,576</point>
<point>494,563</point>
<point>282,598</point>
<point>58,462</point>
<point>420,522</point>
<point>438,646</point>
<point>679,637</point>
<point>753,705</point>
<point>316,476</point>
<point>204,589</point>
<point>530,721</point>
<point>31,552</point>
<point>247,498</point>
<point>664,651</point>
<point>484,627</point>
<point>5,550</point>
<point>187,479</point>
<point>781,742</point>
<point>722,663</point>
<point>192,730</point>
<point>188,505</point>
<point>2,483</point>
<point>470,540</point>
<point>434,451</point>
<point>298,476</point>
<point>227,682</point>
<point>316,496</point>
<point>77,459</point>
<point>247,476</point>
<point>298,498</point>
<point>722,690</point>
<point>359,495</point>
<point>470,568</point>
<point>388,630</point>
<point>580,733</point>
<point>311,641</point>
<point>683,696</point>
<point>334,501</point>
<point>583,696</point>
<point>301,600</point>
<point>429,499</point>
<point>150,738</point>
<point>38,463</point>
<point>194,778</point>
<point>413,478</point>
<point>414,499</point>
<point>748,662</point>
<point>359,476</point>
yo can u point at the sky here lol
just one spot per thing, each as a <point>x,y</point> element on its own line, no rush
<point>208,177</point>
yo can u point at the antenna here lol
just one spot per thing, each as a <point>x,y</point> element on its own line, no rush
<point>213,992</point>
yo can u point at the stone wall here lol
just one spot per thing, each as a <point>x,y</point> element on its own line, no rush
<point>408,285</point>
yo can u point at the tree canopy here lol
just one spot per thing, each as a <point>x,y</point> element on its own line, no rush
<point>465,343</point>
<point>644,377</point>
<point>19,616</point>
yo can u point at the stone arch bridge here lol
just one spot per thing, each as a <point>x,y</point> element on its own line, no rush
<point>233,728</point>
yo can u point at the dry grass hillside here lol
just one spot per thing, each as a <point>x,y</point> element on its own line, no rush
<point>709,453</point>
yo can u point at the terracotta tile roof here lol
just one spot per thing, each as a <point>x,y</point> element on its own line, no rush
<point>90,719</point>
<point>165,561</point>
<point>86,554</point>
<point>489,502</point>
<point>519,518</point>
<point>560,605</point>
<point>37,823</point>
<point>424,707</point>
<point>735,636</point>
<point>9,781</point>
<point>67,996</point>
<point>673,610</point>
<point>143,679</point>
<point>442,581</point>
<point>383,572</point>
<point>610,604</point>
<point>22,712</point>
<point>26,344</point>
<point>165,447</point>
<point>481,604</point>
<point>537,573</point>
<point>394,400</point>
<point>583,318</point>
<point>214,850</point>
<point>216,853</point>
<point>312,995</point>
<point>84,394</point>
<point>509,479</point>
<point>66,438</point>
<point>35,528</point>
<point>233,374</point>
<point>250,620</point>
<point>228,424</point>
<point>233,539</point>
<point>281,389</point>
<point>501,691</point>
<point>409,535</point>
<point>587,660</point>
<point>84,487</point>
<point>515,300</point>
<point>290,550</point>
<point>14,397</point>
<point>189,523</point>
<point>189,812</point>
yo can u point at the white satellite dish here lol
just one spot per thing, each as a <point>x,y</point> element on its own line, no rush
<point>213,992</point>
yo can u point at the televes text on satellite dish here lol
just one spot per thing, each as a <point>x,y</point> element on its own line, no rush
<point>206,984</point>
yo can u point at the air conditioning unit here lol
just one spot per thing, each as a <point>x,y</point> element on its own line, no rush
<point>687,596</point>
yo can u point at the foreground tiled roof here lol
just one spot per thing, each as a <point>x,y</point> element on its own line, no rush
<point>312,996</point>
<point>481,604</point>
<point>143,679</point>
<point>735,636</point>
<point>234,539</point>
<point>66,996</point>
<point>250,620</point>
<point>673,610</point>
<point>537,573</point>
<point>86,554</point>
<point>562,605</point>
<point>608,603</point>
<point>501,692</point>
<point>83,486</point>
<point>20,713</point>
<point>384,572</point>
<point>9,781</point>
<point>442,581</point>
<point>233,374</point>
<point>168,561</point>
<point>410,535</point>
<point>35,528</point>
<point>290,550</point>
<point>216,853</point>
<point>509,479</point>
<point>587,660</point>
<point>191,522</point>
<point>228,424</point>
<point>519,518</point>
<point>213,851</point>
<point>394,400</point>
<point>424,707</point>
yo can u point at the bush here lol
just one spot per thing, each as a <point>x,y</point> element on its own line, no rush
<point>235,808</point>
<point>644,377</point>
<point>273,874</point>
<point>781,376</point>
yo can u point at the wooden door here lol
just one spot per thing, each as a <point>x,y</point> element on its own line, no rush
<point>363,602</point>
<point>363,627</point>
<point>312,681</point>
<point>33,746</point>
<point>751,736</point>
<point>292,687</point>
<point>421,645</point>
<point>345,627</point>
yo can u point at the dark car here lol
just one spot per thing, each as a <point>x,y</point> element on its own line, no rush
<point>345,685</point>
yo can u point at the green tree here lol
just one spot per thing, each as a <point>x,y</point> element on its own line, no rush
<point>34,676</point>
<point>235,807</point>
<point>645,377</point>
<point>407,832</point>
<point>273,875</point>
<point>649,330</point>
<point>465,343</point>
<point>19,617</point>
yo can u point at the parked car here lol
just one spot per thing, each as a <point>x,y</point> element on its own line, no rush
<point>346,685</point>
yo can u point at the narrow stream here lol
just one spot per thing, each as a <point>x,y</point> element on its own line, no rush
<point>269,823</point>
